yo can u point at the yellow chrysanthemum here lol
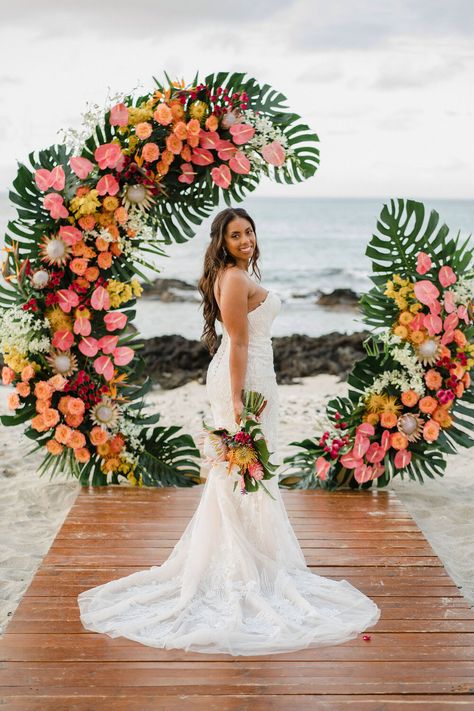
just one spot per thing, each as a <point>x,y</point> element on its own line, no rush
<point>85,204</point>
<point>401,331</point>
<point>390,404</point>
<point>242,456</point>
<point>138,114</point>
<point>374,403</point>
<point>110,203</point>
<point>14,359</point>
<point>405,318</point>
<point>136,287</point>
<point>59,321</point>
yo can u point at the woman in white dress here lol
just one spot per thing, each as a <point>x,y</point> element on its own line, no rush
<point>236,582</point>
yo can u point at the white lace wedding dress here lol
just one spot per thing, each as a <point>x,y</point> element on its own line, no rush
<point>236,582</point>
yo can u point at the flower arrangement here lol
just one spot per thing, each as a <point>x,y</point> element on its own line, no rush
<point>411,398</point>
<point>245,452</point>
<point>91,213</point>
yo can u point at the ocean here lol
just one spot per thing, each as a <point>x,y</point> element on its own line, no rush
<point>306,244</point>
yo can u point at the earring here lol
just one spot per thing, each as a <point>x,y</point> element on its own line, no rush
<point>225,253</point>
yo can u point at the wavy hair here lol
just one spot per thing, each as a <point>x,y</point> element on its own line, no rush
<point>217,258</point>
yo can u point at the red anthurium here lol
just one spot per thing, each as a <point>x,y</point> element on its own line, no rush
<point>201,156</point>
<point>89,346</point>
<point>274,153</point>
<point>115,320</point>
<point>81,166</point>
<point>350,461</point>
<point>187,174</point>
<point>365,429</point>
<point>239,163</point>
<point>107,185</point>
<point>69,234</point>
<point>104,366</point>
<point>241,133</point>
<point>118,115</point>
<point>423,263</point>
<point>123,355</point>
<point>426,291</point>
<point>46,179</point>
<point>107,344</point>
<point>322,467</point>
<point>209,139</point>
<point>100,299</point>
<point>402,458</point>
<point>54,203</point>
<point>433,324</point>
<point>63,340</point>
<point>67,299</point>
<point>446,276</point>
<point>108,155</point>
<point>449,305</point>
<point>221,176</point>
<point>361,445</point>
<point>226,149</point>
<point>82,326</point>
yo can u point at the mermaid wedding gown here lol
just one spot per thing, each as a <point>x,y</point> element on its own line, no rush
<point>236,582</point>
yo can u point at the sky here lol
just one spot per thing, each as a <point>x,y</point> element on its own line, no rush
<point>387,86</point>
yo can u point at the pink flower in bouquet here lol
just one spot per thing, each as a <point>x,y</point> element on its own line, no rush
<point>274,153</point>
<point>123,355</point>
<point>243,437</point>
<point>241,133</point>
<point>81,166</point>
<point>209,139</point>
<point>365,429</point>
<point>108,155</point>
<point>221,176</point>
<point>435,307</point>
<point>226,149</point>
<point>433,324</point>
<point>256,470</point>
<point>187,173</point>
<point>423,263</point>
<point>100,299</point>
<point>361,445</point>
<point>115,320</point>
<point>322,467</point>
<point>67,299</point>
<point>118,115</point>
<point>54,203</point>
<point>449,304</point>
<point>239,163</point>
<point>363,473</point>
<point>70,235</point>
<point>143,130</point>
<point>402,458</point>
<point>13,401</point>
<point>46,179</point>
<point>446,276</point>
<point>425,291</point>
<point>375,453</point>
<point>450,322</point>
<point>463,314</point>
<point>202,156</point>
<point>107,344</point>
<point>89,346</point>
<point>150,152</point>
<point>163,114</point>
<point>108,185</point>
<point>63,340</point>
<point>104,366</point>
<point>350,461</point>
<point>8,375</point>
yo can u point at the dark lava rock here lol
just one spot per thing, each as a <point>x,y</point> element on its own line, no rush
<point>338,297</point>
<point>171,290</point>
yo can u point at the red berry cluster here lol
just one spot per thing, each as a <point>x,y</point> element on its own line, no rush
<point>83,386</point>
<point>337,442</point>
<point>227,101</point>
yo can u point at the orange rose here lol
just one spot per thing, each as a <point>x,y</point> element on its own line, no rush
<point>76,440</point>
<point>401,331</point>
<point>43,390</point>
<point>82,190</point>
<point>82,454</point>
<point>167,157</point>
<point>92,274</point>
<point>13,401</point>
<point>162,168</point>
<point>116,249</point>
<point>113,231</point>
<point>63,404</point>
<point>409,398</point>
<point>50,417</point>
<point>23,389</point>
<point>398,440</point>
<point>37,423</point>
<point>459,338</point>
<point>121,215</point>
<point>42,405</point>
<point>74,420</point>
<point>405,318</point>
<point>75,406</point>
<point>440,413</point>
<point>8,375</point>
<point>87,222</point>
<point>101,244</point>
<point>54,447</point>
<point>78,248</point>
<point>388,419</point>
<point>110,465</point>
<point>212,123</point>
<point>428,404</point>
<point>27,373</point>
<point>193,141</point>
<point>103,449</point>
<point>177,110</point>
<point>194,128</point>
<point>433,379</point>
<point>459,389</point>
<point>417,337</point>
<point>78,265</point>
<point>431,431</point>
<point>181,131</point>
<point>150,152</point>
<point>163,114</point>
<point>104,260</point>
<point>98,435</point>
<point>372,418</point>
<point>458,371</point>
<point>116,444</point>
<point>466,379</point>
<point>62,434</point>
<point>186,154</point>
<point>143,130</point>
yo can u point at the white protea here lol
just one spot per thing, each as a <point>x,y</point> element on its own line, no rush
<point>138,195</point>
<point>105,413</point>
<point>62,362</point>
<point>54,251</point>
<point>39,279</point>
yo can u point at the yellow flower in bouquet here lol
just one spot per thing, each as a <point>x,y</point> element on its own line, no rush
<point>14,359</point>
<point>87,204</point>
<point>242,456</point>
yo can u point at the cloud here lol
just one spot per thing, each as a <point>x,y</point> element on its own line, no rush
<point>413,72</point>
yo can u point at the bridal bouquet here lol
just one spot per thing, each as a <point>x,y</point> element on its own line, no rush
<point>245,450</point>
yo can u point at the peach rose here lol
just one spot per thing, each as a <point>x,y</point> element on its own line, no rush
<point>98,435</point>
<point>63,404</point>
<point>116,444</point>
<point>428,404</point>
<point>372,418</point>
<point>174,144</point>
<point>78,265</point>
<point>92,274</point>
<point>431,431</point>
<point>13,401</point>
<point>76,440</point>
<point>103,449</point>
<point>113,231</point>
<point>186,154</point>
<point>398,440</point>
<point>62,434</point>
<point>150,152</point>
<point>143,130</point>
<point>459,338</point>
<point>43,390</point>
<point>74,420</point>
<point>87,222</point>
<point>54,447</point>
<point>42,405</point>
<point>388,419</point>
<point>8,375</point>
<point>433,379</point>
<point>459,389</point>
<point>163,114</point>
<point>442,416</point>
<point>466,379</point>
<point>104,260</point>
<point>57,382</point>
<point>50,417</point>
<point>212,122</point>
<point>23,389</point>
<point>177,110</point>
<point>38,424</point>
<point>82,454</point>
<point>75,406</point>
<point>111,465</point>
<point>116,249</point>
<point>121,215</point>
<point>409,398</point>
<point>162,167</point>
<point>101,244</point>
<point>27,373</point>
<point>194,128</point>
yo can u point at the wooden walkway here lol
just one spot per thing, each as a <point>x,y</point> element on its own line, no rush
<point>420,655</point>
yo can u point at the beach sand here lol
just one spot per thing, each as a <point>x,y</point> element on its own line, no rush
<point>34,508</point>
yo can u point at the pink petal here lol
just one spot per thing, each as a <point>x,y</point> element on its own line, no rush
<point>361,445</point>
<point>433,323</point>
<point>449,305</point>
<point>226,150</point>
<point>209,139</point>
<point>43,179</point>
<point>375,453</point>
<point>118,115</point>
<point>115,320</point>
<point>58,178</point>
<point>450,322</point>
<point>385,441</point>
<point>62,340</point>
<point>188,173</point>
<point>241,133</point>
<point>201,156</point>
<point>81,166</point>
<point>53,202</point>
<point>82,326</point>
<point>274,153</point>
<point>435,307</point>
<point>104,366</point>
<point>69,234</point>
<point>426,291</point>
<point>100,299</point>
<point>221,176</point>
<point>239,163</point>
<point>123,355</point>
<point>107,185</point>
<point>446,276</point>
<point>423,263</point>
<point>67,299</point>
<point>363,473</point>
<point>349,461</point>
<point>89,347</point>
<point>322,467</point>
<point>107,344</point>
<point>365,429</point>
<point>108,155</point>
<point>447,337</point>
<point>462,313</point>
<point>402,458</point>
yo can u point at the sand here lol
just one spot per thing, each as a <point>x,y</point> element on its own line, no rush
<point>33,508</point>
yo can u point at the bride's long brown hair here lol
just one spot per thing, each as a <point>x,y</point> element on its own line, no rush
<point>216,258</point>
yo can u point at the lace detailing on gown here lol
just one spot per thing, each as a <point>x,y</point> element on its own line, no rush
<point>236,581</point>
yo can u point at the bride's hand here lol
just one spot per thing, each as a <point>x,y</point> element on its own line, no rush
<point>238,408</point>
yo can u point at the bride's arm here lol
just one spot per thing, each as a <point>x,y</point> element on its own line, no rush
<point>233,308</point>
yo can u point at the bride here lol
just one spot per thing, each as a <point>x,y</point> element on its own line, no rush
<point>237,581</point>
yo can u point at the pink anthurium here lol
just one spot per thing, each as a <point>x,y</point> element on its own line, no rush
<point>209,139</point>
<point>226,150</point>
<point>361,445</point>
<point>350,461</point>
<point>446,276</point>
<point>67,299</point>
<point>241,133</point>
<point>187,173</point>
<point>426,291</point>
<point>221,176</point>
<point>423,263</point>
<point>69,234</point>
<point>108,155</point>
<point>54,203</point>
<point>104,366</point>
<point>123,355</point>
<point>435,307</point>
<point>202,156</point>
<point>82,326</point>
<point>402,458</point>
<point>46,179</point>
<point>100,299</point>
<point>63,340</point>
<point>115,320</point>
<point>118,115</point>
<point>239,163</point>
<point>274,153</point>
<point>81,166</point>
<point>449,304</point>
<point>450,322</point>
<point>385,441</point>
<point>378,470</point>
<point>89,346</point>
<point>433,324</point>
<point>322,467</point>
<point>375,453</point>
<point>363,473</point>
<point>462,313</point>
<point>447,337</point>
<point>365,429</point>
<point>107,344</point>
<point>108,185</point>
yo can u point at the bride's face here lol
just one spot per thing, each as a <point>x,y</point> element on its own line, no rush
<point>240,240</point>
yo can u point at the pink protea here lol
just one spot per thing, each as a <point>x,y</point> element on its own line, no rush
<point>256,470</point>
